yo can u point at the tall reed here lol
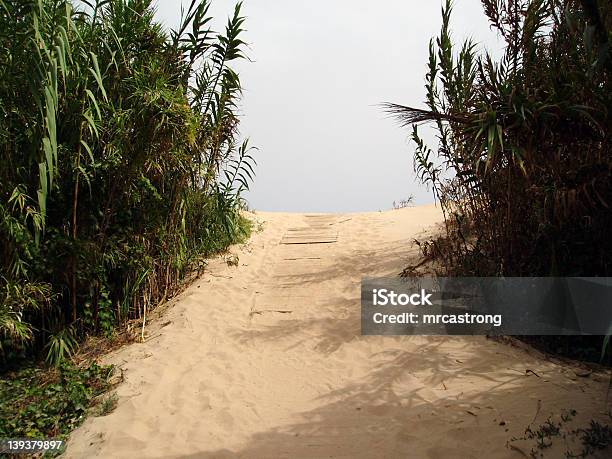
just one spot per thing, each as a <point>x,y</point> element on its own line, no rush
<point>120,164</point>
<point>523,165</point>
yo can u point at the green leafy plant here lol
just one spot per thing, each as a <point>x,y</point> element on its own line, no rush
<point>16,301</point>
<point>61,346</point>
<point>49,404</point>
<point>120,162</point>
<point>523,167</point>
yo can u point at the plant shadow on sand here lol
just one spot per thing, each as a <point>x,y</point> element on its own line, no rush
<point>337,319</point>
<point>401,408</point>
<point>427,396</point>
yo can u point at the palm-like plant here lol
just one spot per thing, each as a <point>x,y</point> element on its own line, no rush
<point>525,139</point>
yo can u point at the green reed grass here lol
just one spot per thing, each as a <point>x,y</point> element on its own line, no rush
<point>120,162</point>
<point>523,165</point>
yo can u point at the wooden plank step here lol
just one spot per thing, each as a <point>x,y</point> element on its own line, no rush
<point>308,240</point>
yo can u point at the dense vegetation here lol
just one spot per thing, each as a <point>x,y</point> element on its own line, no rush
<point>120,165</point>
<point>523,165</point>
<point>49,404</point>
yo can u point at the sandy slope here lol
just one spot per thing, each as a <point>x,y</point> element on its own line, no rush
<point>265,360</point>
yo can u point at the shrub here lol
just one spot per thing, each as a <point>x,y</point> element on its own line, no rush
<point>119,162</point>
<point>523,167</point>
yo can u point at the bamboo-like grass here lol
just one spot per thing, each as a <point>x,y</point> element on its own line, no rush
<point>523,165</point>
<point>120,162</point>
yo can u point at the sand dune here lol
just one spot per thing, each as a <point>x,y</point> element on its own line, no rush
<point>265,360</point>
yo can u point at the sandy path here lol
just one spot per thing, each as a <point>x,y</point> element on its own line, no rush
<point>265,360</point>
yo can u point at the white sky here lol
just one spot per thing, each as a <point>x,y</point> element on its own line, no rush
<point>320,68</point>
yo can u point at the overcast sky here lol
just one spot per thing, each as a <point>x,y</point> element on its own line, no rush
<point>320,68</point>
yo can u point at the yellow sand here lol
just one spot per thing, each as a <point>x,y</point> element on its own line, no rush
<point>265,360</point>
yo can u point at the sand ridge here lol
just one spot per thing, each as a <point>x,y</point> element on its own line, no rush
<point>265,360</point>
